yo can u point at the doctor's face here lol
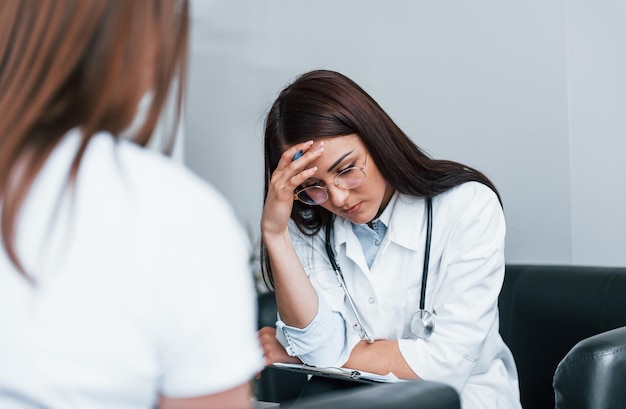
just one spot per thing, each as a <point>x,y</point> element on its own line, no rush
<point>344,163</point>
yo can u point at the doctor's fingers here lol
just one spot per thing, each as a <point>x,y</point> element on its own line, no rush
<point>280,355</point>
<point>284,182</point>
<point>273,351</point>
<point>292,169</point>
<point>300,155</point>
<point>266,333</point>
<point>267,337</point>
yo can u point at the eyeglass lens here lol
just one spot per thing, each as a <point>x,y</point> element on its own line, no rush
<point>313,195</point>
<point>350,178</point>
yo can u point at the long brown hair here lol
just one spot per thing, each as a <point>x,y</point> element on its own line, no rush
<point>323,103</point>
<point>82,64</point>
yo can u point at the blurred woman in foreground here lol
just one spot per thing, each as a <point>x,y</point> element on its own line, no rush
<point>116,264</point>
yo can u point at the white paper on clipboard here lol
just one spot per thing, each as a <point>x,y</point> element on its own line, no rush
<point>341,373</point>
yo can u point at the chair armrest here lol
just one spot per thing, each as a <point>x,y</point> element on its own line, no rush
<point>278,385</point>
<point>400,395</point>
<point>593,373</point>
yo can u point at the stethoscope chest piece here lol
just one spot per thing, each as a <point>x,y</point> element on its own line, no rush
<point>422,324</point>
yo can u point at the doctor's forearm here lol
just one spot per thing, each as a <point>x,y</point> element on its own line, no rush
<point>380,357</point>
<point>295,296</point>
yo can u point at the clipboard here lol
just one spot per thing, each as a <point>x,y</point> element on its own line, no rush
<point>339,373</point>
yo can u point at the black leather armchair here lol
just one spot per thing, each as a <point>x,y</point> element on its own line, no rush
<point>544,312</point>
<point>593,373</point>
<point>573,317</point>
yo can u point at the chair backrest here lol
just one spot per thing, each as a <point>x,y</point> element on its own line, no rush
<point>593,373</point>
<point>546,310</point>
<point>402,395</point>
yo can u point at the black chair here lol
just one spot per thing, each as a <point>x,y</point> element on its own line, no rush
<point>593,373</point>
<point>401,395</point>
<point>544,311</point>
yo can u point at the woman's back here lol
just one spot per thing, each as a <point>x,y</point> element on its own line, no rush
<point>140,285</point>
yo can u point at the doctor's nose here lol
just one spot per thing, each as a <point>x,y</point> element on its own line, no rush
<point>337,195</point>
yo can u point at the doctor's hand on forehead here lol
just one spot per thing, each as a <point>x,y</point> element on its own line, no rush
<point>292,170</point>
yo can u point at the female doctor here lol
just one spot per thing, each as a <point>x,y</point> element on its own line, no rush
<point>382,259</point>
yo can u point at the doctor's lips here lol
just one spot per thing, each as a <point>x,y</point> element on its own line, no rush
<point>353,209</point>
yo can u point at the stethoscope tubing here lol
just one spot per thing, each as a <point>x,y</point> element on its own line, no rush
<point>331,256</point>
<point>429,233</point>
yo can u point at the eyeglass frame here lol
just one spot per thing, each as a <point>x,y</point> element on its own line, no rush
<point>325,188</point>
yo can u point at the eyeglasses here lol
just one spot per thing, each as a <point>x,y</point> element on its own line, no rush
<point>317,194</point>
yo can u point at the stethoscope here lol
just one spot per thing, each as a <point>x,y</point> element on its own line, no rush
<point>423,321</point>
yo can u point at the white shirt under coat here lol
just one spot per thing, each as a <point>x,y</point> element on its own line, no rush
<point>464,280</point>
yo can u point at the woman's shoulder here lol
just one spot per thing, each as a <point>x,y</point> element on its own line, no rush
<point>155,176</point>
<point>467,193</point>
<point>151,186</point>
<point>154,166</point>
<point>458,197</point>
<point>468,201</point>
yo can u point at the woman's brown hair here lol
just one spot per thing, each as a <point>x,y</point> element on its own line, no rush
<point>321,104</point>
<point>83,64</point>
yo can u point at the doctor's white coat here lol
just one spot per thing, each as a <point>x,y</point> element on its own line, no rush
<point>464,279</point>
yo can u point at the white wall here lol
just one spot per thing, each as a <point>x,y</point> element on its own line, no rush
<point>530,92</point>
<point>597,102</point>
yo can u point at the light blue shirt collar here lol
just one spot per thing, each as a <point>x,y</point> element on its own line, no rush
<point>371,237</point>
